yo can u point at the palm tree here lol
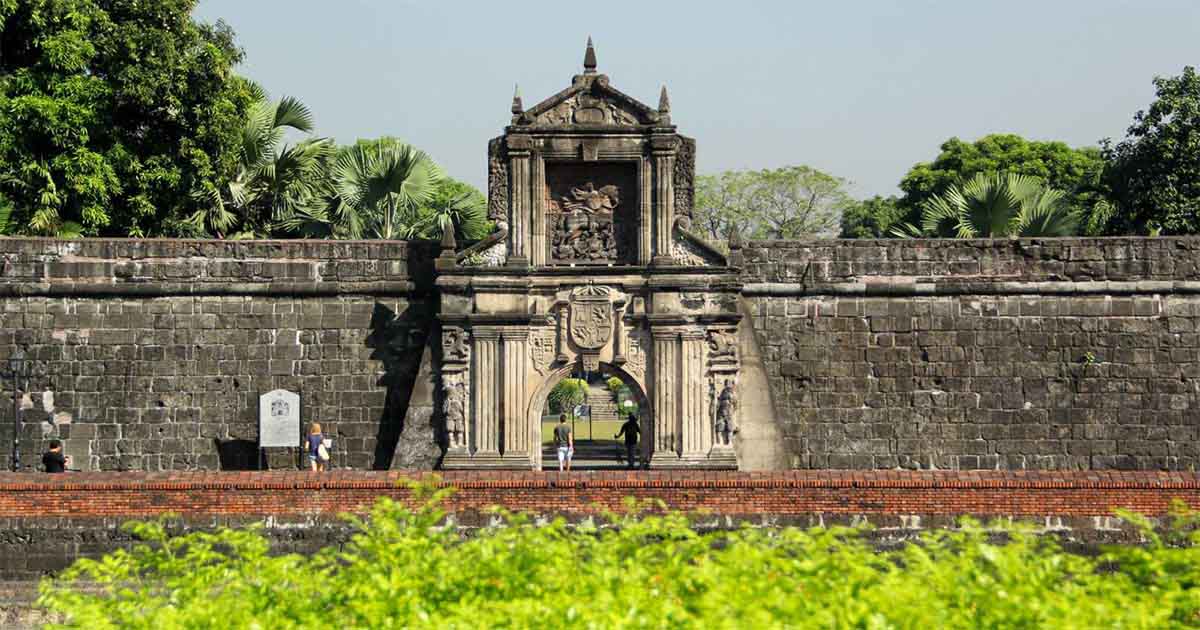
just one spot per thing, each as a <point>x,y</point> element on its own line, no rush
<point>381,187</point>
<point>274,183</point>
<point>997,205</point>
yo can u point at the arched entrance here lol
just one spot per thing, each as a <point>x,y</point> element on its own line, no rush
<point>596,447</point>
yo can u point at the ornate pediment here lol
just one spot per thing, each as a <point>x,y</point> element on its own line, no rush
<point>591,109</point>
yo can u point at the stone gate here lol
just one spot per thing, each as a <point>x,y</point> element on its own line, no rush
<point>591,268</point>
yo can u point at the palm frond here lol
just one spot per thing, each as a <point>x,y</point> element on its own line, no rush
<point>290,112</point>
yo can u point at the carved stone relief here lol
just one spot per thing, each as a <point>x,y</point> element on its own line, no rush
<point>497,187</point>
<point>455,408</point>
<point>635,355</point>
<point>685,176</point>
<point>591,317</point>
<point>685,254</point>
<point>581,224</point>
<point>588,109</point>
<point>722,346</point>
<point>541,350</point>
<point>455,347</point>
<point>725,424</point>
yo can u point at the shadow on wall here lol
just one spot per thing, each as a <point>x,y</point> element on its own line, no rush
<point>397,341</point>
<point>238,454</point>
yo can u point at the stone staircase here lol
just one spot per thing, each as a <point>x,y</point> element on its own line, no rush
<point>602,403</point>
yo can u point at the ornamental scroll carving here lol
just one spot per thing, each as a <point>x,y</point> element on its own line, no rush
<point>684,180</point>
<point>455,348</point>
<point>581,224</point>
<point>587,109</point>
<point>635,356</point>
<point>591,323</point>
<point>497,184</point>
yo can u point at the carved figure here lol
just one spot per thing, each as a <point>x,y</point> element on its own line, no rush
<point>456,414</point>
<point>722,345</point>
<point>726,408</point>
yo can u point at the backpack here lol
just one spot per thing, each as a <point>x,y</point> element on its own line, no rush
<point>322,452</point>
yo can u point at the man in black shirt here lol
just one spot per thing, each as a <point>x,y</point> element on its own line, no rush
<point>631,430</point>
<point>53,460</point>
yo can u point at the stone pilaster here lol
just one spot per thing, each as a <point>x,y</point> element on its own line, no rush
<point>513,419</point>
<point>646,212</point>
<point>537,241</point>
<point>695,430</point>
<point>665,388</point>
<point>522,187</point>
<point>664,199</point>
<point>485,386</point>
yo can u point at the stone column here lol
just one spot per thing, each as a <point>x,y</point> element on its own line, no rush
<point>484,386</point>
<point>537,181</point>
<point>518,155</point>
<point>695,433</point>
<point>666,396</point>
<point>515,351</point>
<point>664,199</point>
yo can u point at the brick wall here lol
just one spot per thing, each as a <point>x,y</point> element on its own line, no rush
<point>48,521</point>
<point>1009,354</point>
<point>151,355</point>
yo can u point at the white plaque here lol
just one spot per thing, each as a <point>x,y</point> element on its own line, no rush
<point>279,419</point>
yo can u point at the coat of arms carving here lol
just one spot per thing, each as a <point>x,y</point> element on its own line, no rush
<point>541,350</point>
<point>591,317</point>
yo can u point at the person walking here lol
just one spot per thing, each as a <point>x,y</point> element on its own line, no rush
<point>564,440</point>
<point>632,430</point>
<point>53,460</point>
<point>318,453</point>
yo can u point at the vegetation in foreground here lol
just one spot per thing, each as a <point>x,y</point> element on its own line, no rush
<point>403,570</point>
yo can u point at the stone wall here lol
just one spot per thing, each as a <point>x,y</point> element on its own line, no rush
<point>151,355</point>
<point>980,354</point>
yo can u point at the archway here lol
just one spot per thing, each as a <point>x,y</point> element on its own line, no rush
<point>596,446</point>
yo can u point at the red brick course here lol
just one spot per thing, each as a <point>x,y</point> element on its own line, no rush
<point>782,494</point>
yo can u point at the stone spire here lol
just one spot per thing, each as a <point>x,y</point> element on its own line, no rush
<point>589,58</point>
<point>664,102</point>
<point>448,242</point>
<point>517,107</point>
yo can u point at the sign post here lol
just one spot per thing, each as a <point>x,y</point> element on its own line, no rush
<point>278,420</point>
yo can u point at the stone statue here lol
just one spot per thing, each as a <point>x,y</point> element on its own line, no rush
<point>726,407</point>
<point>456,415</point>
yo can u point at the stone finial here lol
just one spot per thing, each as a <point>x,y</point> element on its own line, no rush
<point>517,107</point>
<point>664,101</point>
<point>448,242</point>
<point>589,58</point>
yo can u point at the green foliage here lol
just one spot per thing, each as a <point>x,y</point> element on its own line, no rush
<point>381,186</point>
<point>872,218</point>
<point>1077,172</point>
<point>567,394</point>
<point>458,203</point>
<point>277,187</point>
<point>403,569</point>
<point>112,112</point>
<point>997,205</point>
<point>1155,171</point>
<point>789,202</point>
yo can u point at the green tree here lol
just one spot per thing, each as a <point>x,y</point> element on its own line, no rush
<point>112,112</point>
<point>383,185</point>
<point>568,394</point>
<point>1077,172</point>
<point>276,185</point>
<point>788,202</point>
<point>458,203</point>
<point>871,218</point>
<point>1155,170</point>
<point>993,205</point>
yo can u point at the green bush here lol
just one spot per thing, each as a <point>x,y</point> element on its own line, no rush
<point>404,570</point>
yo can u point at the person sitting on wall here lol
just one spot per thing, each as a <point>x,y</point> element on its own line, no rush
<point>53,460</point>
<point>631,430</point>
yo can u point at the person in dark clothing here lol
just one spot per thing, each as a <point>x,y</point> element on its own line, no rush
<point>631,430</point>
<point>53,460</point>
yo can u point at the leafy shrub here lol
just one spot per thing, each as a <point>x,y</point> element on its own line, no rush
<point>404,570</point>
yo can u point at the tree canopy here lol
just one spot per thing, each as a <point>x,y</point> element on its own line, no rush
<point>994,205</point>
<point>112,112</point>
<point>788,202</point>
<point>1155,170</point>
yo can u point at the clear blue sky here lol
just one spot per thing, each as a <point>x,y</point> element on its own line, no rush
<point>862,89</point>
